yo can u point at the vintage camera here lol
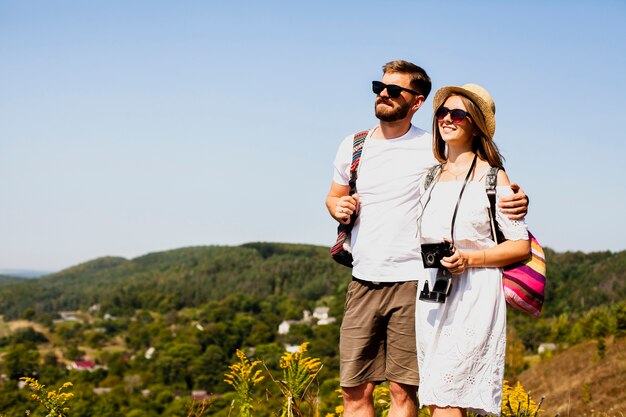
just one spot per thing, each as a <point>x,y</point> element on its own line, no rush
<point>431,256</point>
<point>433,252</point>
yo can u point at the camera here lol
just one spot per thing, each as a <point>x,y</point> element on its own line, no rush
<point>431,256</point>
<point>433,252</point>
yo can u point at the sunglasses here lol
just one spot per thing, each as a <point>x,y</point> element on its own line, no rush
<point>393,90</point>
<point>457,115</point>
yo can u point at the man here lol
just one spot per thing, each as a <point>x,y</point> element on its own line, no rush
<point>377,339</point>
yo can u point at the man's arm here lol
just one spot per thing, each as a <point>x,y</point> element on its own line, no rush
<point>340,204</point>
<point>515,205</point>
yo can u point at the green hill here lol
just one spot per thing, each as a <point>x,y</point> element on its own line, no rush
<point>180,278</point>
<point>578,281</point>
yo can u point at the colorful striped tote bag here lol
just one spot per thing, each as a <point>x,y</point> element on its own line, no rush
<point>523,282</point>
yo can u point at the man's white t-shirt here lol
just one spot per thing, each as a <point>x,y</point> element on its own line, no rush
<point>385,246</point>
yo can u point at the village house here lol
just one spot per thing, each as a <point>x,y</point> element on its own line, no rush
<point>66,316</point>
<point>84,366</point>
<point>546,347</point>
<point>321,314</point>
<point>320,317</point>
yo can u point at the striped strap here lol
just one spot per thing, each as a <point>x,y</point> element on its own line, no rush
<point>343,231</point>
<point>357,150</point>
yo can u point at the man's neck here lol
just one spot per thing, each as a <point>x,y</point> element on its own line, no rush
<point>392,130</point>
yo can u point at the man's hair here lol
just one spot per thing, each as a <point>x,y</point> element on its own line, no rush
<point>420,81</point>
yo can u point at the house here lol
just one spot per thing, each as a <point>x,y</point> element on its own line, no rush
<point>292,348</point>
<point>82,366</point>
<point>149,353</point>
<point>284,326</point>
<point>101,390</point>
<point>321,314</point>
<point>199,395</point>
<point>546,347</point>
<point>329,320</point>
<point>66,316</point>
<point>320,317</point>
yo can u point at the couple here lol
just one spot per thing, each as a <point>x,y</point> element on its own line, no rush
<point>385,332</point>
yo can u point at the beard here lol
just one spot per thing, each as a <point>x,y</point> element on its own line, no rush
<point>386,114</point>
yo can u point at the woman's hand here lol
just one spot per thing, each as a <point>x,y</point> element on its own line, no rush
<point>346,205</point>
<point>457,263</point>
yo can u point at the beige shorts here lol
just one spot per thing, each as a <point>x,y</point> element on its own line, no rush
<point>377,339</point>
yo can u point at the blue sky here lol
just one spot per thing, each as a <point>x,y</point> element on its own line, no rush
<point>133,127</point>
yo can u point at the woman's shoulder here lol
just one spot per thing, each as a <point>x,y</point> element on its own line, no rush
<point>503,178</point>
<point>483,170</point>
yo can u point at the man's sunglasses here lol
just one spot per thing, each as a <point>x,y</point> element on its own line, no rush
<point>393,90</point>
<point>457,115</point>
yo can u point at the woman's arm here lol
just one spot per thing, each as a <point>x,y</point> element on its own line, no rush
<point>505,253</point>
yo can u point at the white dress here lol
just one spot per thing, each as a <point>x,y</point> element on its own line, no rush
<point>461,343</point>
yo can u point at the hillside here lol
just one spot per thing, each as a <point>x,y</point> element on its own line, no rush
<point>578,281</point>
<point>578,380</point>
<point>187,277</point>
<point>180,278</point>
<point>159,326</point>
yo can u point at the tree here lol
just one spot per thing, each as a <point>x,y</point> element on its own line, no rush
<point>20,360</point>
<point>208,370</point>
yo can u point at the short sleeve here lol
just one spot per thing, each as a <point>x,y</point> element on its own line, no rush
<point>511,229</point>
<point>343,160</point>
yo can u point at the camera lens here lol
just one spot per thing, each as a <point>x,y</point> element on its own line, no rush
<point>430,258</point>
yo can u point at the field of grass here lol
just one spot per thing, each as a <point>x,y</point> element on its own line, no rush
<point>584,380</point>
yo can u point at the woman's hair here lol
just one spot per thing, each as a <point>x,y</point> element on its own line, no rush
<point>482,144</point>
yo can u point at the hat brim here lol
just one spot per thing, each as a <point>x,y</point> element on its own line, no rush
<point>443,93</point>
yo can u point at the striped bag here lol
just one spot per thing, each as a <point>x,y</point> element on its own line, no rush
<point>523,282</point>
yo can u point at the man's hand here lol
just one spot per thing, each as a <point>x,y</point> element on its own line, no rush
<point>346,205</point>
<point>516,205</point>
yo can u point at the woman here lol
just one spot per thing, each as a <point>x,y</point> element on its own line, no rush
<point>461,342</point>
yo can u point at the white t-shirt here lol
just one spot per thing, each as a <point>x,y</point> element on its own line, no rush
<point>385,246</point>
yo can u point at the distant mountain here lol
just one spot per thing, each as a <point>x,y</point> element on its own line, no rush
<point>23,273</point>
<point>6,279</point>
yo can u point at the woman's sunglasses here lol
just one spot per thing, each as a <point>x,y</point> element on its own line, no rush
<point>393,90</point>
<point>457,115</point>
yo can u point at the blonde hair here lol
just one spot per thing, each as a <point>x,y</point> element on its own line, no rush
<point>482,144</point>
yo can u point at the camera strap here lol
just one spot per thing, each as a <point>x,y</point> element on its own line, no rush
<point>456,209</point>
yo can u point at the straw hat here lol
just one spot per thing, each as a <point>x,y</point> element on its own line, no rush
<point>478,95</point>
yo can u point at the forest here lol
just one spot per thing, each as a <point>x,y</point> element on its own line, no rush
<point>139,337</point>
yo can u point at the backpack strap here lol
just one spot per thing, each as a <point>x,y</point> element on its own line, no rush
<point>338,251</point>
<point>357,150</point>
<point>431,176</point>
<point>491,180</point>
